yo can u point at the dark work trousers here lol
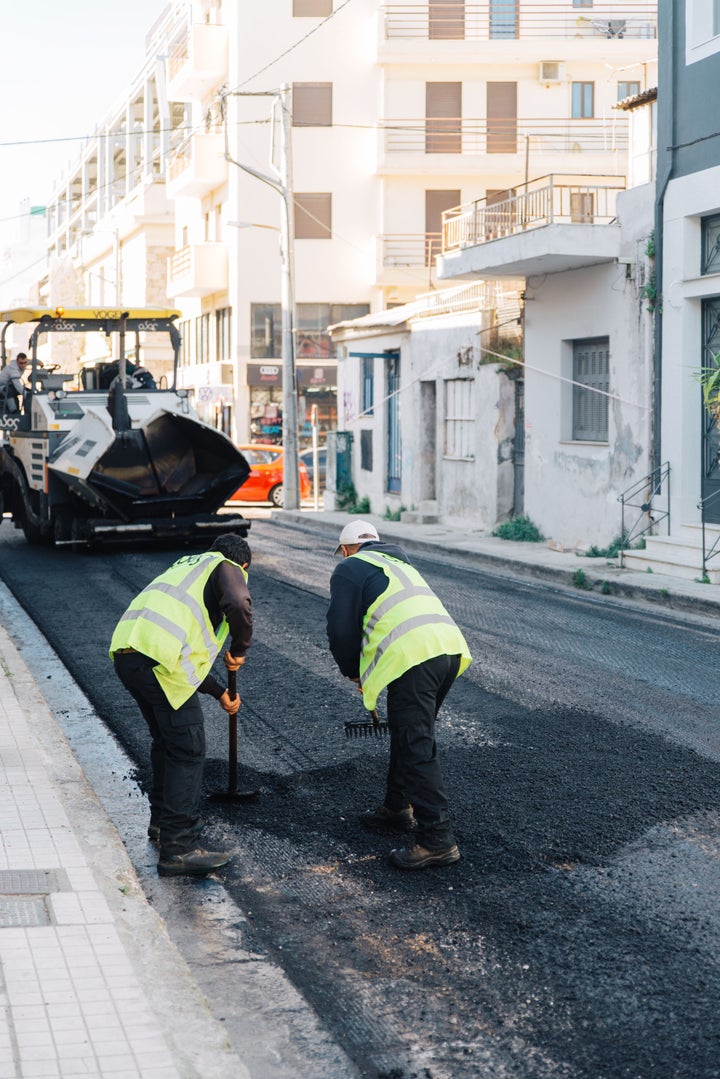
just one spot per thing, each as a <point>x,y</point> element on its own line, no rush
<point>177,753</point>
<point>414,775</point>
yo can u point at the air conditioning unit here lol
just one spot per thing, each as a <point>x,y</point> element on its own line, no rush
<point>551,71</point>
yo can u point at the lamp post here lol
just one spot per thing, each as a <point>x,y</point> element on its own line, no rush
<point>281,182</point>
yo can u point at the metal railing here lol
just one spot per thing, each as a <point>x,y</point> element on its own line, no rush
<point>715,549</point>
<point>647,489</point>
<point>504,19</point>
<point>534,135</point>
<point>411,249</point>
<point>548,200</point>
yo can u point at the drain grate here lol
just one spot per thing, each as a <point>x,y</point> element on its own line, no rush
<point>23,912</point>
<point>33,881</point>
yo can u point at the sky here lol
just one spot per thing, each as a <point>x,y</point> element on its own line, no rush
<point>64,65</point>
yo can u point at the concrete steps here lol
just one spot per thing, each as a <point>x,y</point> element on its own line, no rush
<point>678,555</point>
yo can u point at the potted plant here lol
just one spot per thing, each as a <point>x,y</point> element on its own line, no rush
<point>709,379</point>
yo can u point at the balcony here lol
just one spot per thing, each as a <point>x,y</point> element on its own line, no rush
<point>450,135</point>
<point>553,223</point>
<point>198,165</point>
<point>198,62</point>
<point>497,20</point>
<point>198,270</point>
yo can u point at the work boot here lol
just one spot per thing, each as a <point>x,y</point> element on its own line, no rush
<point>418,857</point>
<point>154,830</point>
<point>401,820</point>
<point>193,863</point>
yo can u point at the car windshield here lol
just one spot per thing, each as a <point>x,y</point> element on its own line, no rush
<point>259,457</point>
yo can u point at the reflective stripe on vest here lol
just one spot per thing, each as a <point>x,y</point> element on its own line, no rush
<point>168,621</point>
<point>406,625</point>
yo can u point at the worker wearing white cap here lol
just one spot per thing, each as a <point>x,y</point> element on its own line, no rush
<point>388,630</point>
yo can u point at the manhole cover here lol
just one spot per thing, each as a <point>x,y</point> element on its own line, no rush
<point>23,912</point>
<point>33,881</point>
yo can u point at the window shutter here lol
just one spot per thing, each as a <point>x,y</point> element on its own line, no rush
<point>312,8</point>
<point>591,372</point>
<point>313,217</point>
<point>436,202</point>
<point>446,20</point>
<point>502,117</point>
<point>443,112</point>
<point>312,104</point>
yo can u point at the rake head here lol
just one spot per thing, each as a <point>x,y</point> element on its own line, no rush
<point>361,728</point>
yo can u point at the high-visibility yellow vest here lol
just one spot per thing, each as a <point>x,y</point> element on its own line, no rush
<point>169,622</point>
<point>406,625</point>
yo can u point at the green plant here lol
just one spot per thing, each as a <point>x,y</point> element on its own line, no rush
<point>665,593</point>
<point>649,569</point>
<point>393,515</point>
<point>580,580</point>
<point>709,379</point>
<point>363,506</point>
<point>605,588</point>
<point>703,580</point>
<point>650,246</point>
<point>519,529</point>
<point>649,291</point>
<point>346,497</point>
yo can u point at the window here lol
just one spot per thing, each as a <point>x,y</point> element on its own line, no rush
<point>591,373</point>
<point>312,340</point>
<point>627,89</point>
<point>436,202</point>
<point>459,418</point>
<point>583,100</point>
<point>582,207</point>
<point>368,388</point>
<point>443,112</point>
<point>223,320</point>
<point>710,245</point>
<point>503,18</point>
<point>202,339</point>
<point>501,117</point>
<point>312,104</point>
<point>366,450</point>
<point>313,217</point>
<point>446,19</point>
<point>311,9</point>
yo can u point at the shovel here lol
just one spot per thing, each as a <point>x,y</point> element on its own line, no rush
<point>232,794</point>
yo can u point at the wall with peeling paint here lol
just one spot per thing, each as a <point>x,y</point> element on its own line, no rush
<point>572,487</point>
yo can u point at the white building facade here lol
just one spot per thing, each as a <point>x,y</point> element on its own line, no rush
<point>400,112</point>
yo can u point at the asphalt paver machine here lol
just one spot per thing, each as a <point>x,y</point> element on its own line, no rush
<point>105,452</point>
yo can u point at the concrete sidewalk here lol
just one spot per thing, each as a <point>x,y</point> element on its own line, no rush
<point>90,983</point>
<point>538,560</point>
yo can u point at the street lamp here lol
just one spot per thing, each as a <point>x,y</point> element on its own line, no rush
<point>281,182</point>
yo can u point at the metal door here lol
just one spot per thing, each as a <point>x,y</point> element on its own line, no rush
<point>711,436</point>
<point>394,445</point>
<point>519,450</point>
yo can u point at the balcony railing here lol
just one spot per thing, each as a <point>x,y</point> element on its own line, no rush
<point>453,20</point>
<point>450,135</point>
<point>411,250</point>
<point>548,200</point>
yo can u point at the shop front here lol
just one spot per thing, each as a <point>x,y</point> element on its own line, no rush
<point>316,385</point>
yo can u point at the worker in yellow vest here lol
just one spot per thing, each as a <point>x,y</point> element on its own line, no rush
<point>388,630</point>
<point>163,648</point>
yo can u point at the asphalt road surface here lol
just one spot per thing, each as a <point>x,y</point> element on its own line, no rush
<point>578,937</point>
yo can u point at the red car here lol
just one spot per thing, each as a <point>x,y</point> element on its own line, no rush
<point>265,482</point>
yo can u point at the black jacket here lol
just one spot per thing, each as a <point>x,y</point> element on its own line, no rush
<point>354,586</point>
<point>226,593</point>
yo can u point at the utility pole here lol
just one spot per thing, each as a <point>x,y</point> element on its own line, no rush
<point>281,181</point>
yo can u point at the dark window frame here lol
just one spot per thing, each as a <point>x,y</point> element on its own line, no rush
<point>591,373</point>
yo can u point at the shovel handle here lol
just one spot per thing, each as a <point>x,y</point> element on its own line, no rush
<point>232,685</point>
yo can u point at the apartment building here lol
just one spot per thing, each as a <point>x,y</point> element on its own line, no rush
<point>400,112</point>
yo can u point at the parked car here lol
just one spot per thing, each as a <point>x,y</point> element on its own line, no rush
<point>307,458</point>
<point>265,482</point>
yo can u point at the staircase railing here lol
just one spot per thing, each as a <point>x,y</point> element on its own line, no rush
<point>715,549</point>
<point>647,490</point>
